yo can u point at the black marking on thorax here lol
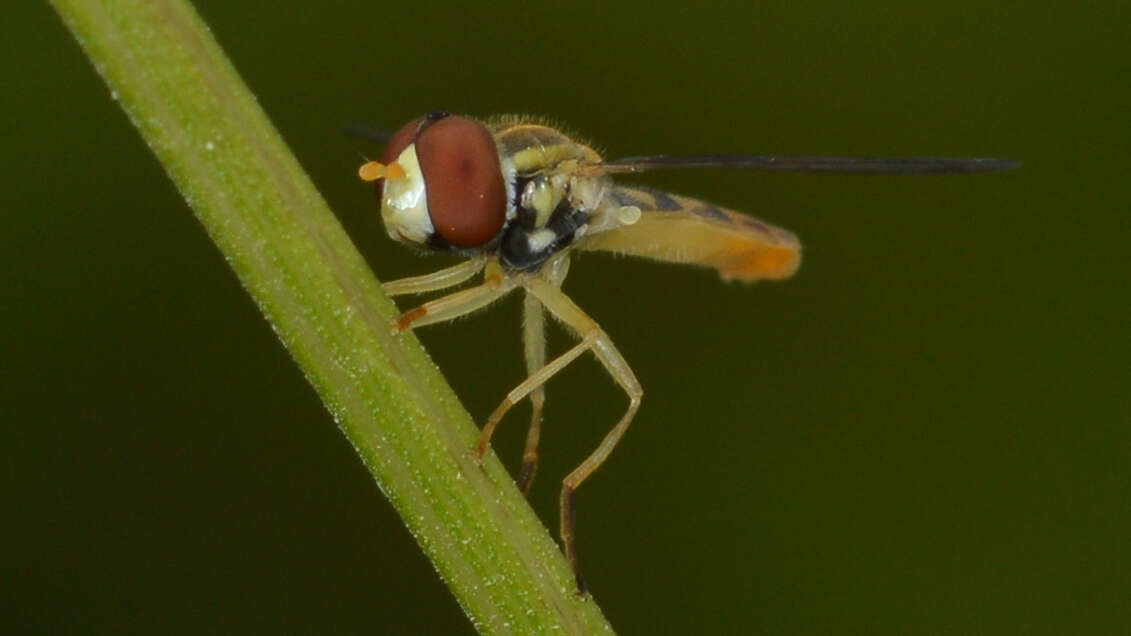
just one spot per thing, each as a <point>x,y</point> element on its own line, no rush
<point>515,250</point>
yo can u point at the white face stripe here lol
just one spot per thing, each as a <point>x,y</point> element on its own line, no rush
<point>404,206</point>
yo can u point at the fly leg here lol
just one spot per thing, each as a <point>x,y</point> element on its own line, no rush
<point>534,343</point>
<point>465,301</point>
<point>442,279</point>
<point>536,380</point>
<point>592,338</point>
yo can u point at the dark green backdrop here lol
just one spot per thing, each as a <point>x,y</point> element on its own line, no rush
<point>925,431</point>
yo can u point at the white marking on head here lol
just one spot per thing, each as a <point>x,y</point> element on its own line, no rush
<point>404,205</point>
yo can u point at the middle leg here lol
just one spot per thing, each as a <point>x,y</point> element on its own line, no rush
<point>592,336</point>
<point>534,343</point>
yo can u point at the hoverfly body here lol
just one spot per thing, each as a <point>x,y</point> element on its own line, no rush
<point>516,197</point>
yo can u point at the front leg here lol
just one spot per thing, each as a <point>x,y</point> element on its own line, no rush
<point>495,285</point>
<point>442,279</point>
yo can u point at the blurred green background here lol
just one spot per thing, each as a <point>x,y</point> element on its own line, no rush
<point>925,431</point>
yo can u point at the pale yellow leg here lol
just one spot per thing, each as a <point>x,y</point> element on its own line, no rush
<point>447,277</point>
<point>537,379</point>
<point>534,340</point>
<point>561,306</point>
<point>465,301</point>
<point>592,338</point>
<point>534,343</point>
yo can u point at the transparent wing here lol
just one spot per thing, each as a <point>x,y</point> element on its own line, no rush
<point>680,229</point>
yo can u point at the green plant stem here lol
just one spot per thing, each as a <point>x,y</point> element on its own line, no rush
<point>257,204</point>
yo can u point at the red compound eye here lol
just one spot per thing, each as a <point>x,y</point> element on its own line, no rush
<point>394,147</point>
<point>399,141</point>
<point>462,179</point>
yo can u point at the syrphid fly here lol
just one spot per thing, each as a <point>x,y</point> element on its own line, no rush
<point>516,197</point>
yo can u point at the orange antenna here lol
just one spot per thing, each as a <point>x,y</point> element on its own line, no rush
<point>373,170</point>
